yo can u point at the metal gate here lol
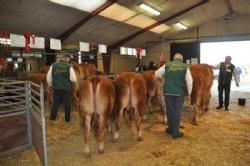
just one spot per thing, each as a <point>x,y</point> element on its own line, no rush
<point>22,118</point>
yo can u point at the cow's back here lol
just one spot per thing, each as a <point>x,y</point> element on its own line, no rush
<point>96,98</point>
<point>96,94</point>
<point>82,71</point>
<point>202,82</point>
<point>151,82</point>
<point>86,96</point>
<point>121,92</point>
<point>154,88</point>
<point>105,95</point>
<point>130,99</point>
<point>137,87</point>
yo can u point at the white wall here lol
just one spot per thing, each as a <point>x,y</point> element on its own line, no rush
<point>128,63</point>
<point>153,53</point>
<point>121,63</point>
<point>236,28</point>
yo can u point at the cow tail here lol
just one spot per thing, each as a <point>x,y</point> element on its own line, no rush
<point>95,124</point>
<point>95,117</point>
<point>116,110</point>
<point>131,111</point>
<point>130,84</point>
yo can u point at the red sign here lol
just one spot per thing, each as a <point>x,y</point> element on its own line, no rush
<point>5,34</point>
<point>27,42</point>
<point>161,55</point>
<point>27,36</point>
<point>139,53</point>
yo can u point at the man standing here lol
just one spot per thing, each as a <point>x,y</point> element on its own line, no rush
<point>178,84</point>
<point>227,69</point>
<point>238,71</point>
<point>60,76</point>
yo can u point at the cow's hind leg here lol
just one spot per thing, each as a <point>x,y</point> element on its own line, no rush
<point>196,114</point>
<point>161,99</point>
<point>118,125</point>
<point>101,133</point>
<point>208,101</point>
<point>138,122</point>
<point>86,133</point>
<point>149,107</point>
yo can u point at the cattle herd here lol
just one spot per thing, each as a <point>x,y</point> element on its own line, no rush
<point>102,102</point>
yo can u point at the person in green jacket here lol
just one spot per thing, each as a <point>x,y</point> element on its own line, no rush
<point>178,84</point>
<point>60,76</point>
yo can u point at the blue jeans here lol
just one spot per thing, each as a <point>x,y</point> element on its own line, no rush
<point>175,107</point>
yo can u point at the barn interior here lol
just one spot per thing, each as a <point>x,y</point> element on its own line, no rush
<point>116,35</point>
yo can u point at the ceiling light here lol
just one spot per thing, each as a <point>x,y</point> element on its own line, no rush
<point>84,5</point>
<point>180,25</point>
<point>150,9</point>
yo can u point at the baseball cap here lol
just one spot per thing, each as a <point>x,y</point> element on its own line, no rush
<point>67,55</point>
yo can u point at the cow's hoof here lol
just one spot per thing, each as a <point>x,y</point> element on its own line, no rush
<point>88,155</point>
<point>109,129</point>
<point>100,151</point>
<point>114,140</point>
<point>139,139</point>
<point>115,137</point>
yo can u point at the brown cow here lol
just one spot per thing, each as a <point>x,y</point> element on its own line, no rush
<point>202,82</point>
<point>82,71</point>
<point>44,69</point>
<point>130,97</point>
<point>161,97</point>
<point>40,78</point>
<point>75,86</point>
<point>87,70</point>
<point>154,89</point>
<point>96,100</point>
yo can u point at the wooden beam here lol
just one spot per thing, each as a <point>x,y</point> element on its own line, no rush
<point>72,29</point>
<point>128,38</point>
<point>229,6</point>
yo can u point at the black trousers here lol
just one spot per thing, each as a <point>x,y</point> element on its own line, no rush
<point>224,88</point>
<point>59,97</point>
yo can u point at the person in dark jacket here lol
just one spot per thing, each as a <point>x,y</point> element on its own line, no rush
<point>140,67</point>
<point>226,71</point>
<point>60,76</point>
<point>151,66</point>
<point>178,84</point>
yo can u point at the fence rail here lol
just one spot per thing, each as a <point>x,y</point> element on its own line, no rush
<point>22,114</point>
